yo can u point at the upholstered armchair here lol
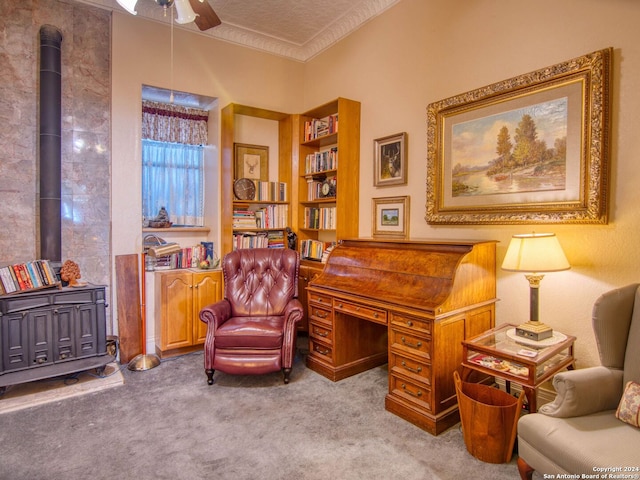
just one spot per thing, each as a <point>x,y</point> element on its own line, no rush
<point>253,329</point>
<point>580,432</point>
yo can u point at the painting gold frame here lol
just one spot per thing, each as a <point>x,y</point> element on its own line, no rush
<point>390,217</point>
<point>251,161</point>
<point>488,180</point>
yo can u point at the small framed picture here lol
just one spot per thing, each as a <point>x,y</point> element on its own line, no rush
<point>390,217</point>
<point>251,161</point>
<point>390,160</point>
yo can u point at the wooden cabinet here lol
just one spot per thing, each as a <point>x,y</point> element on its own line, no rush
<point>229,203</point>
<point>179,297</point>
<point>408,303</point>
<point>327,167</point>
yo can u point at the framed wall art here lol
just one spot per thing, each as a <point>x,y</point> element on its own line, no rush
<point>390,217</point>
<point>390,160</point>
<point>251,161</point>
<point>531,149</point>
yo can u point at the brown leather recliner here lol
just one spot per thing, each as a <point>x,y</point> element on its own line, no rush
<point>253,329</point>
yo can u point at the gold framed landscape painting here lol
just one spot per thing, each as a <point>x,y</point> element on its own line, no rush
<point>390,217</point>
<point>531,149</point>
<point>251,161</point>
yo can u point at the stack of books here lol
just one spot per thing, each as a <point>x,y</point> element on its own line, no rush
<point>321,218</point>
<point>321,161</point>
<point>320,127</point>
<point>244,219</point>
<point>22,277</point>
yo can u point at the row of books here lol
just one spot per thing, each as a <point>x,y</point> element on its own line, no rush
<point>322,218</point>
<point>27,276</point>
<point>315,249</point>
<point>270,191</point>
<point>269,216</point>
<point>321,161</point>
<point>320,127</point>
<point>273,239</point>
<point>187,257</point>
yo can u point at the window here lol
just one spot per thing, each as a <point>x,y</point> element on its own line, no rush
<point>173,177</point>
<point>173,139</point>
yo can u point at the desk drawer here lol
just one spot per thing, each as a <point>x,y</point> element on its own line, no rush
<point>320,313</point>
<point>320,350</point>
<point>407,366</point>
<point>415,344</point>
<point>321,331</point>
<point>418,325</point>
<point>368,313</point>
<point>414,392</point>
<point>319,299</point>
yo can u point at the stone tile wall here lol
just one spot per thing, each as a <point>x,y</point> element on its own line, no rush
<point>86,149</point>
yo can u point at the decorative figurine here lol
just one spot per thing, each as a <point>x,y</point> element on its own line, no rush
<point>70,273</point>
<point>292,239</point>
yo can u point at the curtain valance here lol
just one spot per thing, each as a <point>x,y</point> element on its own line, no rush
<point>172,123</point>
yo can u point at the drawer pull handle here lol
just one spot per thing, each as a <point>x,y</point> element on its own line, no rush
<point>322,352</point>
<point>339,305</point>
<point>321,314</point>
<point>414,370</point>
<point>319,299</point>
<point>417,394</point>
<point>409,344</point>
<point>409,323</point>
<point>320,334</point>
<point>375,314</point>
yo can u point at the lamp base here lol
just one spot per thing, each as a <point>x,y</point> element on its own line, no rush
<point>534,331</point>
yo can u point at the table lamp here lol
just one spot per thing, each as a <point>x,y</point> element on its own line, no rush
<point>535,253</point>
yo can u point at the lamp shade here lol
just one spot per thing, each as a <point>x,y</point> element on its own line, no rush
<point>129,5</point>
<point>185,12</point>
<point>536,253</point>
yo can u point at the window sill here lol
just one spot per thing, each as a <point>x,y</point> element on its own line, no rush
<point>178,230</point>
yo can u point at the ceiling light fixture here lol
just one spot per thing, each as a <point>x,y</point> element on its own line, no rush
<point>198,11</point>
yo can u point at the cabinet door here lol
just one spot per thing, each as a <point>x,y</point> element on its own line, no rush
<point>176,311</point>
<point>64,333</point>
<point>15,342</point>
<point>207,289</point>
<point>40,336</point>
<point>86,323</point>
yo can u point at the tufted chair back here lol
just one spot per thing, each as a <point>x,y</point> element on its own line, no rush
<point>253,329</point>
<point>260,281</point>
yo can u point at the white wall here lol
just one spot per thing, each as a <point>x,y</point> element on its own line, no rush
<point>421,51</point>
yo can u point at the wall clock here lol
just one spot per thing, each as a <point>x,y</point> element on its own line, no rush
<point>244,189</point>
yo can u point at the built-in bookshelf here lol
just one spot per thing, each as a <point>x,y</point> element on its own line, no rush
<point>328,172</point>
<point>26,277</point>
<point>261,221</point>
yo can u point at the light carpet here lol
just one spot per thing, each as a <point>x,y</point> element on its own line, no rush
<point>167,423</point>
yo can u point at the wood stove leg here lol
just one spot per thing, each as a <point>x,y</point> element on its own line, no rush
<point>209,373</point>
<point>526,472</point>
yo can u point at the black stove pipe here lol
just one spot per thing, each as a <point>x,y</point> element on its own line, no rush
<point>50,144</point>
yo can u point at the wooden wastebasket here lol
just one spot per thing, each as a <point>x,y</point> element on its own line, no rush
<point>489,419</point>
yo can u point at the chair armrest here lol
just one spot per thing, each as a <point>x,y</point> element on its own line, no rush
<point>216,314</point>
<point>293,313</point>
<point>585,391</point>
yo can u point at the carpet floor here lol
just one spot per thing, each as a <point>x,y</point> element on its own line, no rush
<point>167,423</point>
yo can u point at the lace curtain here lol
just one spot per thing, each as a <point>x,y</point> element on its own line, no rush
<point>175,124</point>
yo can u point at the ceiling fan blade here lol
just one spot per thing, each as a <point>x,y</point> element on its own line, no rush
<point>206,17</point>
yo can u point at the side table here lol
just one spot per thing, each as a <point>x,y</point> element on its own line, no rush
<point>498,352</point>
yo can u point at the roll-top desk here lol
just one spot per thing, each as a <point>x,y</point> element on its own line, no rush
<point>408,303</point>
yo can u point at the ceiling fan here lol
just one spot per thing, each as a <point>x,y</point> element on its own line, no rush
<point>198,11</point>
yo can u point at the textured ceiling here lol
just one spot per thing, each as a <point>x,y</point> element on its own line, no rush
<point>298,29</point>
